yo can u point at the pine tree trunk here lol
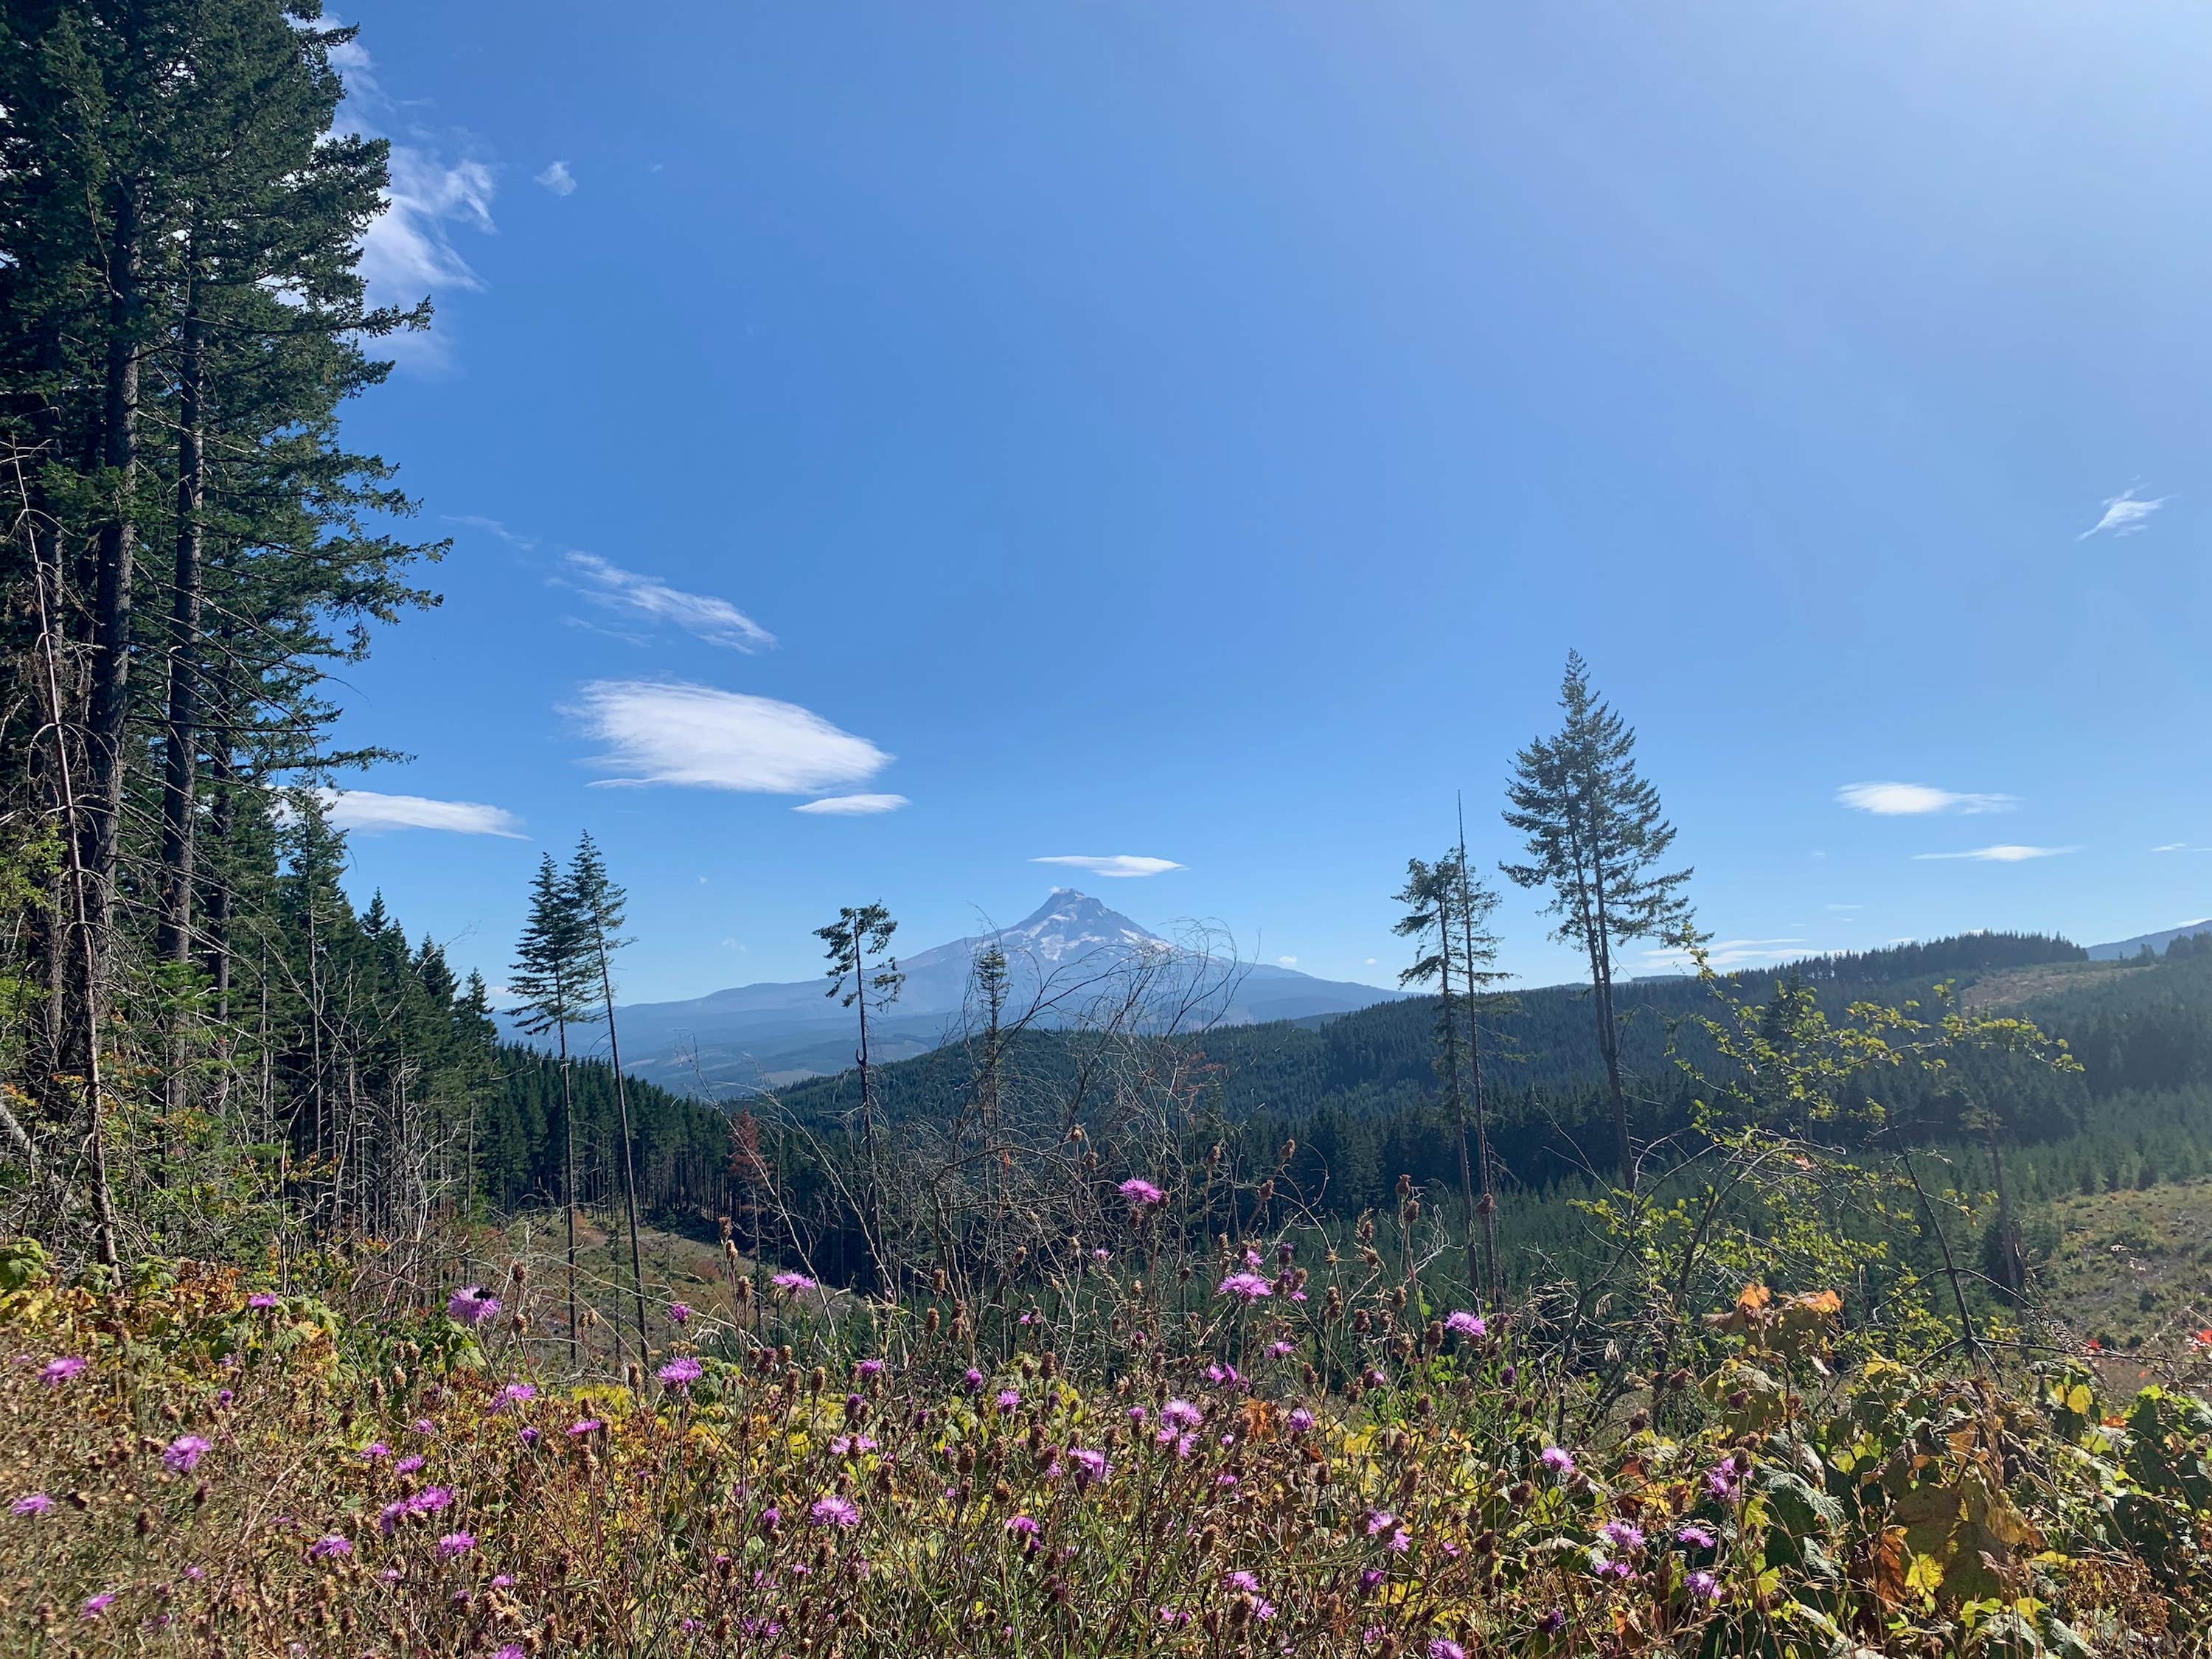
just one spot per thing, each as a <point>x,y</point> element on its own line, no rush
<point>569,1182</point>
<point>215,931</point>
<point>181,742</point>
<point>629,1169</point>
<point>1608,1031</point>
<point>109,703</point>
<point>871,1187</point>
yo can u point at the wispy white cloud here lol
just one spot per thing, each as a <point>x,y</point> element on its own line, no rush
<point>585,625</point>
<point>1728,953</point>
<point>493,527</point>
<point>1843,909</point>
<point>408,252</point>
<point>713,620</point>
<point>558,179</point>
<point>1112,864</point>
<point>2005,854</point>
<point>697,737</point>
<point>2180,846</point>
<point>852,806</point>
<point>1905,800</point>
<point>2125,514</point>
<point>366,811</point>
<point>1286,962</point>
<point>437,185</point>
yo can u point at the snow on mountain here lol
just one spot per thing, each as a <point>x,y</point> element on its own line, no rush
<point>1069,948</point>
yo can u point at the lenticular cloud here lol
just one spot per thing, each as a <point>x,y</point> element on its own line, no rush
<point>672,732</point>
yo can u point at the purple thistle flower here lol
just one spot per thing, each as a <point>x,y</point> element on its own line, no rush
<point>1443,1648</point>
<point>1725,1479</point>
<point>869,1368</point>
<point>1241,1580</point>
<point>1009,1401</point>
<point>1181,1413</point>
<point>509,1650</point>
<point>472,1306</point>
<point>1379,1521</point>
<point>55,1372</point>
<point>456,1543</point>
<point>791,1283</point>
<point>1370,1578</point>
<point>388,1519</point>
<point>529,1436</point>
<point>430,1500</point>
<point>1558,1460</point>
<point>1697,1538</point>
<point>330,1546</point>
<point>680,1312</point>
<point>1702,1585</point>
<point>184,1453</point>
<point>1552,1622</point>
<point>375,1449</point>
<point>96,1605</point>
<point>1302,1421</point>
<point>264,1300</point>
<point>1469,1325</point>
<point>1023,1525</point>
<point>1143,1194</point>
<point>974,1380</point>
<point>1246,1286</point>
<point>1622,1536</point>
<point>588,1426</point>
<point>1280,1349</point>
<point>410,1464</point>
<point>1091,1467</point>
<point>31,1503</point>
<point>423,1425</point>
<point>681,1373</point>
<point>515,1394</point>
<point>834,1511</point>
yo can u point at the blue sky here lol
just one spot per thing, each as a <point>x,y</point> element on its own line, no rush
<point>1196,433</point>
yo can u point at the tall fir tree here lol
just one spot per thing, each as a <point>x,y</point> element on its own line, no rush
<point>1595,837</point>
<point>597,905</point>
<point>1447,913</point>
<point>857,935</point>
<point>551,980</point>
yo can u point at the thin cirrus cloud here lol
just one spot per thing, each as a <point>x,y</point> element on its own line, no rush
<point>2002,854</point>
<point>372,813</point>
<point>1727,953</point>
<point>1913,799</point>
<point>558,179</point>
<point>1117,866</point>
<point>2180,846</point>
<point>2125,514</point>
<point>407,250</point>
<point>696,737</point>
<point>713,620</point>
<point>852,806</point>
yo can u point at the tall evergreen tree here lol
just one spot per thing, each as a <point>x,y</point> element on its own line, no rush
<point>597,904</point>
<point>1447,914</point>
<point>1596,836</point>
<point>552,977</point>
<point>857,935</point>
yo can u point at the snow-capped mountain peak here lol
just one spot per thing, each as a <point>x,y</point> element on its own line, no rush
<point>1070,924</point>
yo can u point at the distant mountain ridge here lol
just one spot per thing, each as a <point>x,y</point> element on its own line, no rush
<point>749,1037</point>
<point>2158,942</point>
